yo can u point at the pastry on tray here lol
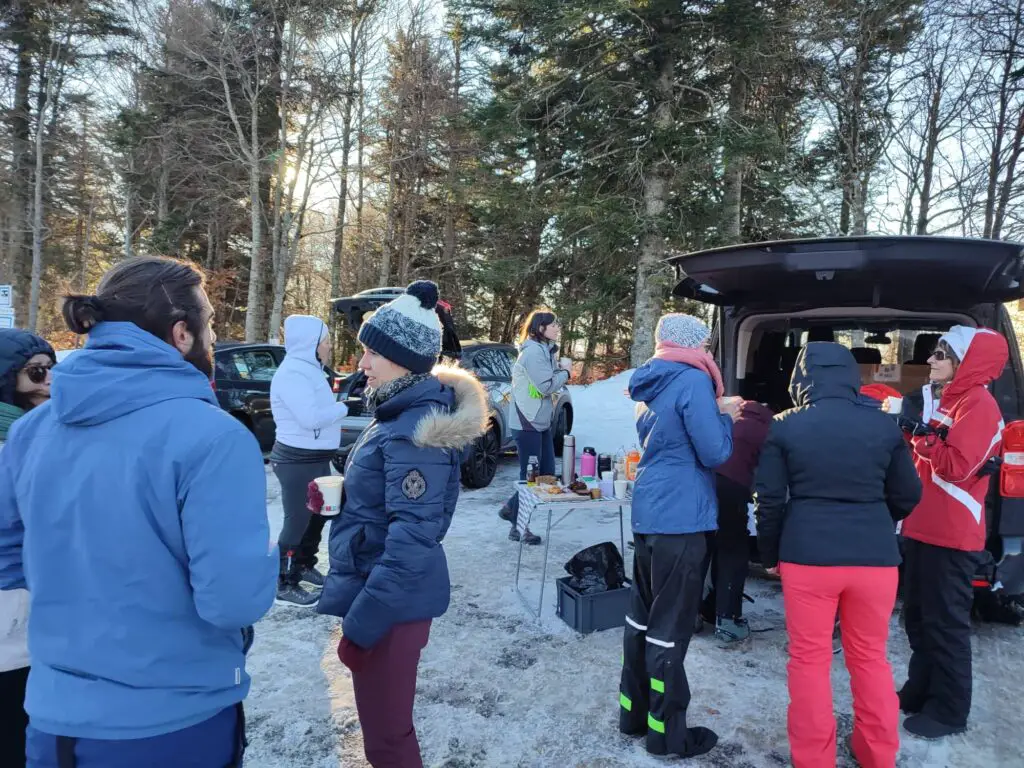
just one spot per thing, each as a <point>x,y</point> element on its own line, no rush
<point>547,480</point>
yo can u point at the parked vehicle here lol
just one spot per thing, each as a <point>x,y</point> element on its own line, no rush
<point>490,361</point>
<point>242,376</point>
<point>889,299</point>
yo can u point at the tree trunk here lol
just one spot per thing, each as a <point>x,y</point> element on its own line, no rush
<point>346,148</point>
<point>656,182</point>
<point>83,267</point>
<point>732,195</point>
<point>37,215</point>
<point>1009,178</point>
<point>360,185</point>
<point>21,30</point>
<point>928,163</point>
<point>255,301</point>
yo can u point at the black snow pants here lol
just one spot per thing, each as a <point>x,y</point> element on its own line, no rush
<point>730,559</point>
<point>302,531</point>
<point>937,598</point>
<point>668,584</point>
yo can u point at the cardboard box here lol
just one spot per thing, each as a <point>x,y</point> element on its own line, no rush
<point>903,378</point>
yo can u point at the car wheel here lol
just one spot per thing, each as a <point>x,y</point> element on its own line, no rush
<point>561,430</point>
<point>482,462</point>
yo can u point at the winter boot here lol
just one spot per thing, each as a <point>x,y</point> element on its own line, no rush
<point>837,639</point>
<point>529,538</point>
<point>731,633</point>
<point>312,576</point>
<point>295,594</point>
<point>927,728</point>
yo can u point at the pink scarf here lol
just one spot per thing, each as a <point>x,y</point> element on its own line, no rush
<point>698,358</point>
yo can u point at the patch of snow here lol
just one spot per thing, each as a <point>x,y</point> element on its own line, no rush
<point>604,417</point>
<point>499,690</point>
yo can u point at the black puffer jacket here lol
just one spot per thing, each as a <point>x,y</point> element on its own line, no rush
<point>835,473</point>
<point>17,348</point>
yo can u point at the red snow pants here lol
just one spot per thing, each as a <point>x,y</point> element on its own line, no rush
<point>865,598</point>
<point>384,682</point>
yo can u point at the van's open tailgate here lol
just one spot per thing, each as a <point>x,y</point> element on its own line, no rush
<point>920,273</point>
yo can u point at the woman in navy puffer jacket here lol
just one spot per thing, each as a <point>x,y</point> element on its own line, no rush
<point>685,434</point>
<point>389,574</point>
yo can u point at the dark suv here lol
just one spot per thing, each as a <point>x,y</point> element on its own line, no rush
<point>889,299</point>
<point>242,375</point>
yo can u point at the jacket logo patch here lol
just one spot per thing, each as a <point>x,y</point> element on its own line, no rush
<point>414,485</point>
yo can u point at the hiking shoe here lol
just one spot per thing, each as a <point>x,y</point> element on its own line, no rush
<point>293,594</point>
<point>529,538</point>
<point>927,728</point>
<point>731,633</point>
<point>505,513</point>
<point>837,640</point>
<point>312,576</point>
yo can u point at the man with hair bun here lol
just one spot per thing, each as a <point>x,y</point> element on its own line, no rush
<point>133,510</point>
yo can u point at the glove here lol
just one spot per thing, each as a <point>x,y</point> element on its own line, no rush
<point>914,427</point>
<point>248,635</point>
<point>314,499</point>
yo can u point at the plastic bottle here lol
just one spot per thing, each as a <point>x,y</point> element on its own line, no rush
<point>632,462</point>
<point>531,470</point>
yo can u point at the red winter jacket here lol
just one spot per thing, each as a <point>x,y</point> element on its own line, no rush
<point>952,509</point>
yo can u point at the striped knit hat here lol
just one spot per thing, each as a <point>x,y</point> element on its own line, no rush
<point>407,331</point>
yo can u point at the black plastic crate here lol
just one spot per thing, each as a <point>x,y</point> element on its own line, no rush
<point>592,613</point>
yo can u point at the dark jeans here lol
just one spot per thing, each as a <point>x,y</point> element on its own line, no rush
<point>937,597</point>
<point>302,530</point>
<point>384,682</point>
<point>730,558</point>
<point>654,694</point>
<point>529,443</point>
<point>215,743</point>
<point>13,719</point>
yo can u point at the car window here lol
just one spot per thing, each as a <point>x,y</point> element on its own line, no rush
<point>512,355</point>
<point>258,365</point>
<point>491,364</point>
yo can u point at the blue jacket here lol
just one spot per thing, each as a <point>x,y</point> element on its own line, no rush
<point>684,437</point>
<point>401,485</point>
<point>135,510</point>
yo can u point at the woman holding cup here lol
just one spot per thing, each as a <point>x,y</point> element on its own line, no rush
<point>389,574</point>
<point>308,419</point>
<point>536,377</point>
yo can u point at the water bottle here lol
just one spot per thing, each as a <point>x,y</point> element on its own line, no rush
<point>588,463</point>
<point>568,459</point>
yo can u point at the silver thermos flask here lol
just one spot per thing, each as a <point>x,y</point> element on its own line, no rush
<point>568,459</point>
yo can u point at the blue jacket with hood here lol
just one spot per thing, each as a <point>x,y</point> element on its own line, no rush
<point>684,437</point>
<point>401,485</point>
<point>135,511</point>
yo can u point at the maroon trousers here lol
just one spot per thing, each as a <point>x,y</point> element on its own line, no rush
<point>384,681</point>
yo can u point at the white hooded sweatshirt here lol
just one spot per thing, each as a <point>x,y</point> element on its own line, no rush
<point>306,413</point>
<point>13,626</point>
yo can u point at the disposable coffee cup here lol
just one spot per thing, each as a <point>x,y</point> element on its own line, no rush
<point>620,488</point>
<point>607,475</point>
<point>330,489</point>
<point>893,405</point>
<point>565,363</point>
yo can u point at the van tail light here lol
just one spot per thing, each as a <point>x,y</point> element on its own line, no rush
<point>213,385</point>
<point>336,385</point>
<point>1011,475</point>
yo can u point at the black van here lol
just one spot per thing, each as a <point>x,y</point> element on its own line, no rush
<point>888,299</point>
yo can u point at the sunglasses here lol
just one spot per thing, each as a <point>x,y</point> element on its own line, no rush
<point>37,373</point>
<point>939,355</point>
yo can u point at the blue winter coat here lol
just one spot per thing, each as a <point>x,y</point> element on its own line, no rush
<point>135,510</point>
<point>684,437</point>
<point>401,486</point>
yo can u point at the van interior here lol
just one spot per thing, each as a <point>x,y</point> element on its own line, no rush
<point>891,349</point>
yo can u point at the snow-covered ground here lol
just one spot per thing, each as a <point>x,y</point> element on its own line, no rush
<point>498,689</point>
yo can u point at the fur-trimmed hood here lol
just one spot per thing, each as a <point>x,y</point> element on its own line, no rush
<point>465,422</point>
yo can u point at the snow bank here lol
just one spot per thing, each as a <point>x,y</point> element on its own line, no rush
<point>499,690</point>
<point>604,415</point>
